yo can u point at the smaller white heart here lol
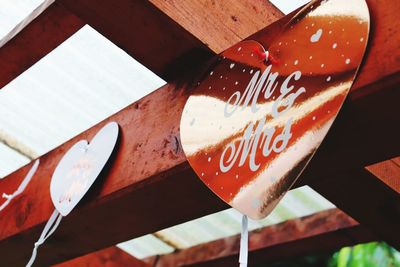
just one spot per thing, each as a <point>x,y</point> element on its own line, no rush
<point>79,168</point>
<point>316,36</point>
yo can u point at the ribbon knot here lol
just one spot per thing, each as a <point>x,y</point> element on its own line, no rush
<point>7,196</point>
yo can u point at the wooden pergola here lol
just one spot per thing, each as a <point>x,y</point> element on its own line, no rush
<point>142,190</point>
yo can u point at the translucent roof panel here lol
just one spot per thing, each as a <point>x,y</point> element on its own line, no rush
<point>297,203</point>
<point>83,81</point>
<point>288,6</point>
<point>10,160</point>
<point>146,246</point>
<point>16,14</point>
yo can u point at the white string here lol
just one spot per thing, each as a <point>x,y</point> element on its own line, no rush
<point>48,230</point>
<point>21,187</point>
<point>244,243</point>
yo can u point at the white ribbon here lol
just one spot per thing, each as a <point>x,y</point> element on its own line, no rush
<point>48,230</point>
<point>244,243</point>
<point>21,187</point>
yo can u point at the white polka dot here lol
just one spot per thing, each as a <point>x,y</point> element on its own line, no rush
<point>240,48</point>
<point>328,79</point>
<point>348,61</point>
<point>237,176</point>
<point>211,73</point>
<point>334,45</point>
<point>232,65</point>
<point>312,25</point>
<point>209,87</point>
<point>361,39</point>
<point>251,71</point>
<point>322,65</point>
<point>244,70</point>
<point>222,187</point>
<point>224,88</point>
<point>296,62</point>
<point>202,174</point>
<point>220,77</point>
<point>209,159</point>
<point>280,43</point>
<point>311,57</point>
<point>330,32</point>
<point>314,118</point>
<point>236,83</point>
<point>216,173</point>
<point>294,41</point>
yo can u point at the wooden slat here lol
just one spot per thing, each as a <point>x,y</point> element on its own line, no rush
<point>36,40</point>
<point>321,232</point>
<point>388,171</point>
<point>361,194</point>
<point>150,186</point>
<point>220,24</point>
<point>144,32</point>
<point>167,47</point>
<point>109,257</point>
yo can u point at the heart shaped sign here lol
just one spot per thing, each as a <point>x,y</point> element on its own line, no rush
<point>258,115</point>
<point>79,168</point>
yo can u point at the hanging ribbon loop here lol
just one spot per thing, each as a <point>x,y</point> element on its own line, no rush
<point>21,187</point>
<point>48,230</point>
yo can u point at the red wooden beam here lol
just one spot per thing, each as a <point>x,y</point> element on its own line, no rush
<point>109,257</point>
<point>143,31</point>
<point>321,232</point>
<point>36,40</point>
<point>220,24</point>
<point>370,201</point>
<point>170,44</point>
<point>149,185</point>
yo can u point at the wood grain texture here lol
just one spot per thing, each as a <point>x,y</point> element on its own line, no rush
<point>149,186</point>
<point>388,171</point>
<point>321,232</point>
<point>109,257</point>
<point>360,193</point>
<point>36,40</point>
<point>144,32</point>
<point>222,23</point>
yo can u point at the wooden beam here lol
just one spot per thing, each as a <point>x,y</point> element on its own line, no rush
<point>146,30</point>
<point>149,185</point>
<point>220,24</point>
<point>36,40</point>
<point>370,201</point>
<point>109,257</point>
<point>321,232</point>
<point>388,171</point>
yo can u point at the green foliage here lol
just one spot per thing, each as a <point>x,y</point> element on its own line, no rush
<point>375,254</point>
<point>366,255</point>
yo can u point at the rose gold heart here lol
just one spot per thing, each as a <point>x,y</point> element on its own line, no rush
<point>251,125</point>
